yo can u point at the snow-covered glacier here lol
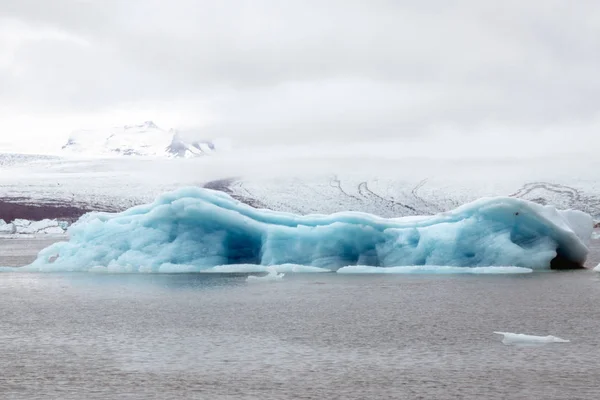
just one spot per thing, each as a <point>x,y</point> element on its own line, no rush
<point>195,229</point>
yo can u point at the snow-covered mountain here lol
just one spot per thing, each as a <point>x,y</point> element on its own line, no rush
<point>180,147</point>
<point>146,139</point>
<point>65,188</point>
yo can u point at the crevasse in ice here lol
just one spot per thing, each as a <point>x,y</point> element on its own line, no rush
<point>196,229</point>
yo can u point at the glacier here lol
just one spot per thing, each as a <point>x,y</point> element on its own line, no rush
<point>196,229</point>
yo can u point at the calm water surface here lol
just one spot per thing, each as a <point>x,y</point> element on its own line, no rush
<point>320,336</point>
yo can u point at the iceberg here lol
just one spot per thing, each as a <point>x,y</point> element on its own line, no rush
<point>521,338</point>
<point>7,228</point>
<point>26,227</point>
<point>197,229</point>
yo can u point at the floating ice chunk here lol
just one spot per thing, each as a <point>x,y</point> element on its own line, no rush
<point>7,229</point>
<point>432,269</point>
<point>170,268</point>
<point>202,228</point>
<point>40,226</point>
<point>254,268</point>
<point>27,227</point>
<point>595,235</point>
<point>272,276</point>
<point>597,269</point>
<point>520,338</point>
<point>20,223</point>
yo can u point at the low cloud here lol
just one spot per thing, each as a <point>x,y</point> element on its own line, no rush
<point>305,71</point>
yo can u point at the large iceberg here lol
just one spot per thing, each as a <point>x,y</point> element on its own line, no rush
<point>198,229</point>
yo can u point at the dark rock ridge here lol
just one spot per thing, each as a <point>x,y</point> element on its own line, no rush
<point>183,148</point>
<point>11,209</point>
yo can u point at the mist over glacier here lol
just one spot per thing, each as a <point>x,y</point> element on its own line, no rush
<point>193,229</point>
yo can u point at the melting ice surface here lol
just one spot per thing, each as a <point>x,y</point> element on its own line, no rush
<point>437,269</point>
<point>272,276</point>
<point>195,229</point>
<point>520,338</point>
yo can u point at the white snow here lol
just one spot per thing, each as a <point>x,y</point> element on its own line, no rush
<point>597,268</point>
<point>146,140</point>
<point>520,338</point>
<point>389,188</point>
<point>272,276</point>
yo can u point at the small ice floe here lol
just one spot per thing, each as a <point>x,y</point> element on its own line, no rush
<point>522,339</point>
<point>272,276</point>
<point>597,269</point>
<point>254,268</point>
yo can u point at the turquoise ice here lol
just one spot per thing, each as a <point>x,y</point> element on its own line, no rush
<point>194,229</point>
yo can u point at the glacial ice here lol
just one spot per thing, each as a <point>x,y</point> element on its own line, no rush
<point>27,227</point>
<point>253,268</point>
<point>170,268</point>
<point>521,338</point>
<point>193,229</point>
<point>6,228</point>
<point>272,276</point>
<point>428,269</point>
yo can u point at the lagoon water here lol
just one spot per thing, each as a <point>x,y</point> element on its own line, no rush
<point>313,336</point>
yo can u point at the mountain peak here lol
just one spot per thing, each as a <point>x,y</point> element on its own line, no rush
<point>150,125</point>
<point>145,139</point>
<point>144,126</point>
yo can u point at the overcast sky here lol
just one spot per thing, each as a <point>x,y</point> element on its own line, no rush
<point>305,72</point>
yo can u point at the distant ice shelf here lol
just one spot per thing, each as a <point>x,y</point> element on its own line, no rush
<point>27,227</point>
<point>197,229</point>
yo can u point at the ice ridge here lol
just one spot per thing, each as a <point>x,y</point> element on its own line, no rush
<point>202,228</point>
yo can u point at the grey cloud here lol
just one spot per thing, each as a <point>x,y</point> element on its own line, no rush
<point>304,70</point>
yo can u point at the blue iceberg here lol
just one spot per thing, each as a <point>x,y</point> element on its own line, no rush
<point>194,229</point>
